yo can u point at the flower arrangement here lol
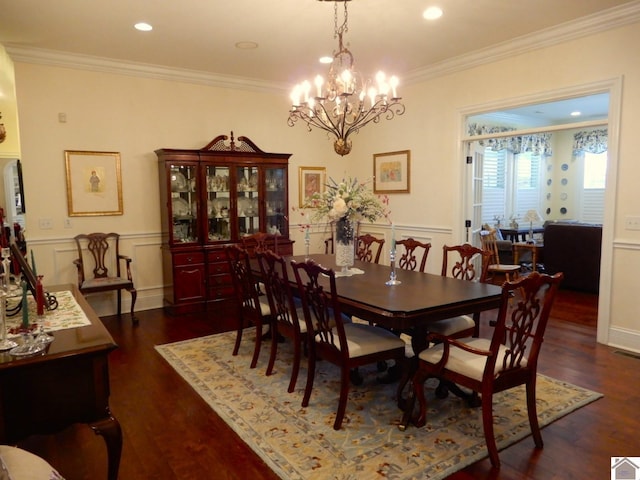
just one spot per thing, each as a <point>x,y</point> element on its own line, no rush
<point>348,200</point>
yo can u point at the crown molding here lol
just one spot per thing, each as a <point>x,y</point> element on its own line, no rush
<point>602,21</point>
<point>119,67</point>
<point>607,20</point>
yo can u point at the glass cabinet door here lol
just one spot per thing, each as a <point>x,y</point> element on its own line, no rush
<point>218,206</point>
<point>275,200</point>
<point>248,201</point>
<point>184,203</point>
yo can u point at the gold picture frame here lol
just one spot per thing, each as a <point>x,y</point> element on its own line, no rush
<point>392,172</point>
<point>310,180</point>
<point>94,183</point>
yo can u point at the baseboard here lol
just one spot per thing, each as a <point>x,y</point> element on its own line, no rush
<point>624,338</point>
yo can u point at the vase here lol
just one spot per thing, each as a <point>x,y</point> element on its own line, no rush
<point>344,247</point>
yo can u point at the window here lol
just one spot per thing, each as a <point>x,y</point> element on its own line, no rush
<point>595,177</point>
<point>511,185</point>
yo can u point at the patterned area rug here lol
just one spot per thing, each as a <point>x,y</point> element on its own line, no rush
<point>300,443</point>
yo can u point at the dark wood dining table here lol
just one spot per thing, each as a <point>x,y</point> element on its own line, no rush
<point>421,298</point>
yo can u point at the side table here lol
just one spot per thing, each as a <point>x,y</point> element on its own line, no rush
<point>536,250</point>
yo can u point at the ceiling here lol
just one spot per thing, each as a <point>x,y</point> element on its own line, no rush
<point>291,35</point>
<point>201,35</point>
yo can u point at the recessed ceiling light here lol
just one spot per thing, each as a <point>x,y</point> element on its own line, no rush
<point>143,27</point>
<point>576,114</point>
<point>326,60</point>
<point>432,13</point>
<point>246,45</point>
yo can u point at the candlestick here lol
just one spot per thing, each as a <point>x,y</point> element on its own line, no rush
<point>393,237</point>
<point>4,343</point>
<point>39,296</point>
<point>25,307</point>
<point>392,260</point>
<point>307,241</point>
<point>33,264</point>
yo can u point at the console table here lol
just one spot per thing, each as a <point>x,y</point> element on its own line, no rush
<point>67,384</point>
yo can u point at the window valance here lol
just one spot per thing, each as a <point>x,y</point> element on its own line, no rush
<point>538,143</point>
<point>591,141</point>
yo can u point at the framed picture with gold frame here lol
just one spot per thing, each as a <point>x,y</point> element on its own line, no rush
<point>94,183</point>
<point>310,180</point>
<point>392,172</point>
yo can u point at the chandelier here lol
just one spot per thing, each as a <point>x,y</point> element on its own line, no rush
<point>344,102</point>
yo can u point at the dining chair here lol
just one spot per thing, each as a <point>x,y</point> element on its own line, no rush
<point>287,317</point>
<point>259,242</point>
<point>369,248</point>
<point>409,258</point>
<point>488,366</point>
<point>497,271</point>
<point>328,242</point>
<point>347,345</point>
<point>458,261</point>
<point>253,309</point>
<point>97,254</point>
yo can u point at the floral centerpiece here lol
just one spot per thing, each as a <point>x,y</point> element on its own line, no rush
<point>345,203</point>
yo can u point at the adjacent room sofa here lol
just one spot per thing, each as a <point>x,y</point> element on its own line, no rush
<point>574,248</point>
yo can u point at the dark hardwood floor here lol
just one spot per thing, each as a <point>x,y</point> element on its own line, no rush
<point>170,433</point>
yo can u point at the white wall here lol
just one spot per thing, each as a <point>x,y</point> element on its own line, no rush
<point>135,116</point>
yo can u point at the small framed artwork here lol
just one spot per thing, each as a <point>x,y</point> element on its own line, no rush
<point>310,180</point>
<point>391,172</point>
<point>94,183</point>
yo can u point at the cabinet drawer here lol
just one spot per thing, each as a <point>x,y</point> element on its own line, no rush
<point>220,280</point>
<point>217,256</point>
<point>219,268</point>
<point>188,258</point>
<point>224,291</point>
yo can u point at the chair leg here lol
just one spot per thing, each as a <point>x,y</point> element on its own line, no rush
<point>345,379</point>
<point>236,347</point>
<point>119,297</point>
<point>533,412</point>
<point>295,368</point>
<point>274,346</point>
<point>487,423</point>
<point>311,372</point>
<point>134,296</point>
<point>257,344</point>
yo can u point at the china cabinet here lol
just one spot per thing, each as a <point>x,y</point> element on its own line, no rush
<point>211,197</point>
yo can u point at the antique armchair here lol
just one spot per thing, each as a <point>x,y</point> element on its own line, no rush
<point>489,366</point>
<point>97,254</point>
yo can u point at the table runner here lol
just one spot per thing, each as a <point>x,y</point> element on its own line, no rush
<point>68,314</point>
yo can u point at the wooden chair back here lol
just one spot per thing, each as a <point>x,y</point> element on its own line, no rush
<point>369,248</point>
<point>259,242</point>
<point>488,239</point>
<point>409,258</point>
<point>458,261</point>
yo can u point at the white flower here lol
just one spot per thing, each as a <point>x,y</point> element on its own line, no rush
<point>339,209</point>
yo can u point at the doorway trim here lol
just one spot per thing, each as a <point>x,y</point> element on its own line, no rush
<point>611,86</point>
